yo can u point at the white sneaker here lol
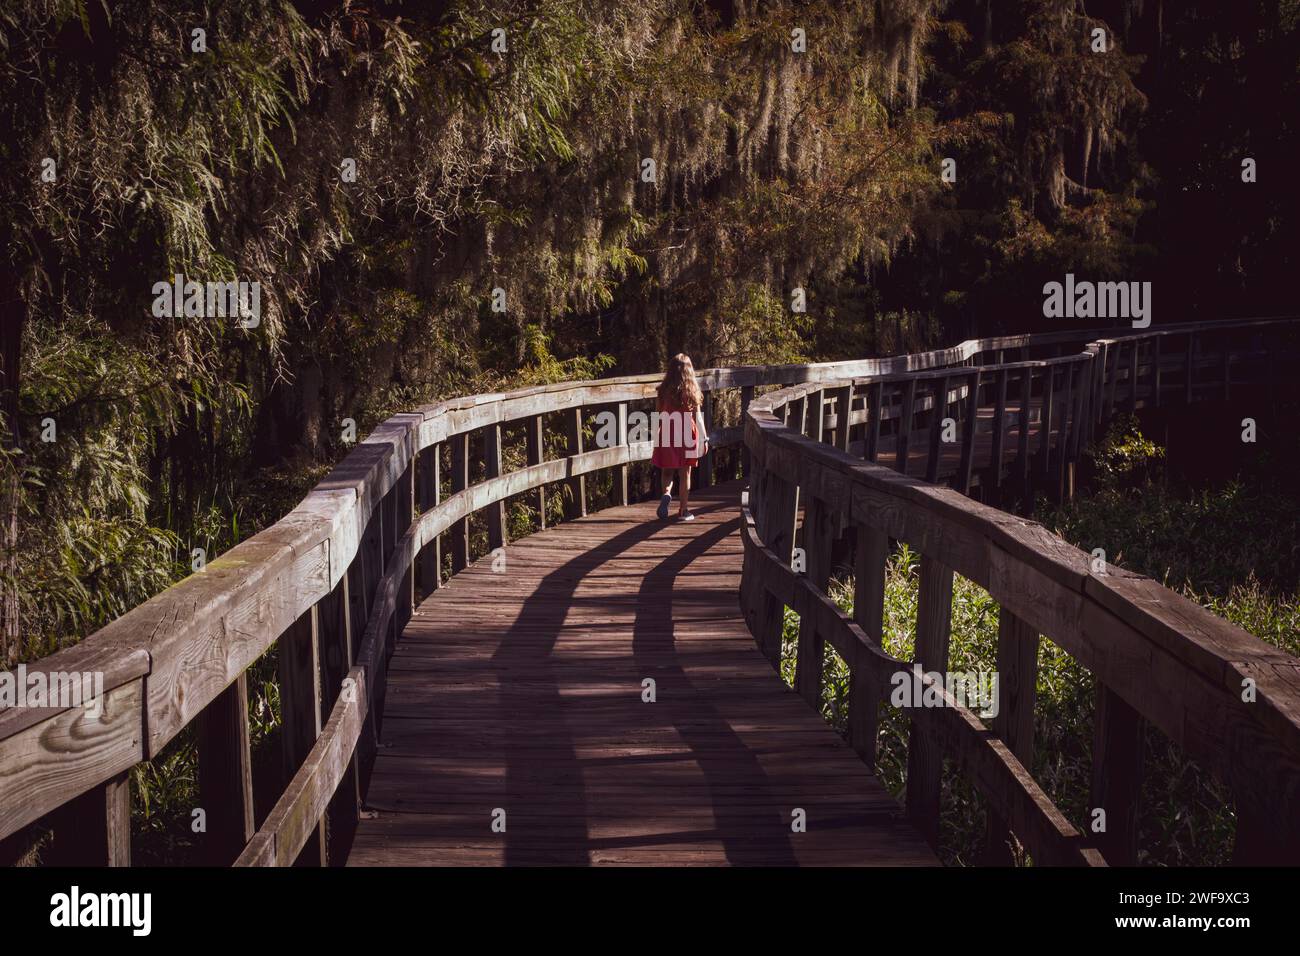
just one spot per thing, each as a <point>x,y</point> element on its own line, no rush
<point>664,503</point>
<point>689,516</point>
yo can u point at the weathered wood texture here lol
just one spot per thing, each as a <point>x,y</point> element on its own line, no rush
<point>537,709</point>
<point>1158,658</point>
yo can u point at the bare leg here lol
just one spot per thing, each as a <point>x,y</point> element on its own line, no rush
<point>666,499</point>
<point>685,496</point>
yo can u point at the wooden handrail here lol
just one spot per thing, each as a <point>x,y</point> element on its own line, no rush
<point>1229,700</point>
<point>333,582</point>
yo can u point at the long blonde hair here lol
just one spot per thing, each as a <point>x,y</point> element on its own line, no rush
<point>679,386</point>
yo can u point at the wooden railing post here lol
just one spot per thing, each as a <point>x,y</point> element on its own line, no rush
<point>704,473</point>
<point>997,447</point>
<point>1049,408</point>
<point>535,440</point>
<point>875,408</point>
<point>496,512</point>
<point>459,482</point>
<point>404,514</point>
<point>746,396</point>
<point>1118,739</point>
<point>576,504</point>
<point>1112,383</point>
<point>870,556</point>
<point>795,414</point>
<point>620,473</point>
<point>905,413</point>
<point>94,829</point>
<point>430,489</point>
<point>338,655</point>
<point>779,503</point>
<point>969,429</point>
<point>938,412</point>
<point>1017,676</point>
<point>370,561</point>
<point>1022,445</point>
<point>815,423</point>
<point>924,756</point>
<point>1069,420</point>
<point>300,708</point>
<point>817,540</point>
<point>843,398</point>
<point>226,774</point>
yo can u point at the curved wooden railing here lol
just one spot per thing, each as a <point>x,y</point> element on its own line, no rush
<point>332,584</point>
<point>1230,701</point>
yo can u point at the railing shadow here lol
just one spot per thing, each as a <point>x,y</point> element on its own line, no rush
<point>727,763</point>
<point>556,786</point>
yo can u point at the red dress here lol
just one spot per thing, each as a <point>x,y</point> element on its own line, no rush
<point>677,440</point>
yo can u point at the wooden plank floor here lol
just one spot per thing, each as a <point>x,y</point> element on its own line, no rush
<point>522,690</point>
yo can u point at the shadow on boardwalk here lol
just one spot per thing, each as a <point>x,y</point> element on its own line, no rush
<point>522,691</point>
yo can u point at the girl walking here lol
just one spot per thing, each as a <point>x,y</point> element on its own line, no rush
<point>680,437</point>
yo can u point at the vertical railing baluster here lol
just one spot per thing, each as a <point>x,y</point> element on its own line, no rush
<point>459,483</point>
<point>779,503</point>
<point>621,472</point>
<point>905,413</point>
<point>496,512</point>
<point>1119,732</point>
<point>924,755</point>
<point>338,655</point>
<point>1022,444</point>
<point>938,412</point>
<point>997,446</point>
<point>535,439</point>
<point>93,829</point>
<point>226,774</point>
<point>404,515</point>
<point>575,506</point>
<point>1045,430</point>
<point>430,480</point>
<point>1068,421</point>
<point>817,540</point>
<point>1017,677</point>
<point>876,404</point>
<point>704,473</point>
<point>1112,373</point>
<point>746,396</point>
<point>870,556</point>
<point>815,420</point>
<point>795,413</point>
<point>300,708</point>
<point>843,398</point>
<point>969,434</point>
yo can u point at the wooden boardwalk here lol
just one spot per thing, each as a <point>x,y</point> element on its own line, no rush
<point>520,689</point>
